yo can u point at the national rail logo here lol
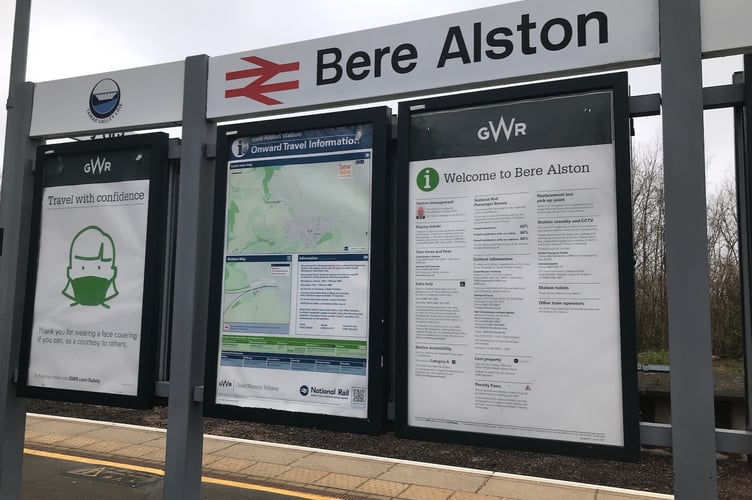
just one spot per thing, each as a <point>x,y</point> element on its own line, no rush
<point>258,88</point>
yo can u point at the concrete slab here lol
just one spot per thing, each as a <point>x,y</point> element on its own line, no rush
<point>532,490</point>
<point>105,446</point>
<point>265,470</point>
<point>212,445</point>
<point>76,442</point>
<point>426,493</point>
<point>271,454</point>
<point>127,435</point>
<point>231,464</point>
<point>464,495</point>
<point>209,459</point>
<point>67,427</point>
<point>385,488</point>
<point>49,438</point>
<point>344,465</point>
<point>620,494</point>
<point>341,481</point>
<point>301,475</point>
<point>141,451</point>
<point>31,435</point>
<point>436,477</point>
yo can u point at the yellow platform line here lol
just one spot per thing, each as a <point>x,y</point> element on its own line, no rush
<point>160,472</point>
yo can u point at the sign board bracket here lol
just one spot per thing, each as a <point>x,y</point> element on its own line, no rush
<point>198,394</point>
<point>644,105</point>
<point>162,389</point>
<point>723,96</point>
<point>174,149</point>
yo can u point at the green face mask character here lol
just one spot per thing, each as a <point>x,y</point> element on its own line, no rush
<point>91,268</point>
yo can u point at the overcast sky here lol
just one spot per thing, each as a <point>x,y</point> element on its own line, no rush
<point>79,37</point>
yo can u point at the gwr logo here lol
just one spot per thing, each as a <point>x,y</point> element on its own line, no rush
<point>258,88</point>
<point>97,166</point>
<point>485,133</point>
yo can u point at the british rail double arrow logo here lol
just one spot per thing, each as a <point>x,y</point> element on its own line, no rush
<point>258,88</point>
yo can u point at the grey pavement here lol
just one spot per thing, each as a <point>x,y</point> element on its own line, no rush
<point>132,455</point>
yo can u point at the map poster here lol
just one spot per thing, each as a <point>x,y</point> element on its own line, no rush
<point>87,321</point>
<point>514,292</point>
<point>294,317</point>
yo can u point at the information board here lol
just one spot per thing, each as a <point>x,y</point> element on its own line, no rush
<point>296,313</point>
<point>92,322</point>
<point>518,287</point>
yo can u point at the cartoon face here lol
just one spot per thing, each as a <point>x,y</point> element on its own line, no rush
<point>91,268</point>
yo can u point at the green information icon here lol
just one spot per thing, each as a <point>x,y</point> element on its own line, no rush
<point>428,179</point>
<point>91,268</point>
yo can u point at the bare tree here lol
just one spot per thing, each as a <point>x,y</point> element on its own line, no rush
<point>649,249</point>
<point>650,259</point>
<point>723,260</point>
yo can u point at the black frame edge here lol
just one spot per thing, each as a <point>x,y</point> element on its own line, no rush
<point>376,413</point>
<point>153,272</point>
<point>617,84</point>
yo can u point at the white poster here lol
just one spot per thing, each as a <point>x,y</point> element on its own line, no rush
<point>513,317</point>
<point>295,305</point>
<point>86,331</point>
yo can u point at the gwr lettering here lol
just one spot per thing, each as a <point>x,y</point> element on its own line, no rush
<point>556,34</point>
<point>360,64</point>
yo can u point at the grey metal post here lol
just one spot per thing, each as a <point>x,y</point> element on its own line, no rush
<point>15,214</point>
<point>191,290</point>
<point>693,431</point>
<point>20,47</point>
<point>743,125</point>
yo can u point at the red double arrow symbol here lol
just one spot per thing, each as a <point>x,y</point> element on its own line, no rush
<point>258,88</point>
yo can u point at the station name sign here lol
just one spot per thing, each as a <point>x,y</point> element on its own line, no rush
<point>508,43</point>
<point>494,45</point>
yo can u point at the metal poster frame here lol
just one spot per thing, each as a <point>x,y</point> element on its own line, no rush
<point>378,118</point>
<point>616,85</point>
<point>157,145</point>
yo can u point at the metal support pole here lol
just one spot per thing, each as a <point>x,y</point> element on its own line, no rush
<point>15,214</point>
<point>693,430</point>
<point>743,125</point>
<point>20,44</point>
<point>191,290</point>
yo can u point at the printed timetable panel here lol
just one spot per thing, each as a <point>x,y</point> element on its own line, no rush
<point>297,281</point>
<point>517,260</point>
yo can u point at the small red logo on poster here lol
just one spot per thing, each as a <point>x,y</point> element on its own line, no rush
<point>258,88</point>
<point>345,170</point>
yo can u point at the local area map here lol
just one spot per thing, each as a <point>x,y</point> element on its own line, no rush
<point>257,290</point>
<point>311,208</point>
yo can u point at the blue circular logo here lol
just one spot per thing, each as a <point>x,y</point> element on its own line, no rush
<point>104,98</point>
<point>304,390</point>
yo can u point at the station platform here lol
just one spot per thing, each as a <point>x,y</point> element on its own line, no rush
<point>291,471</point>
